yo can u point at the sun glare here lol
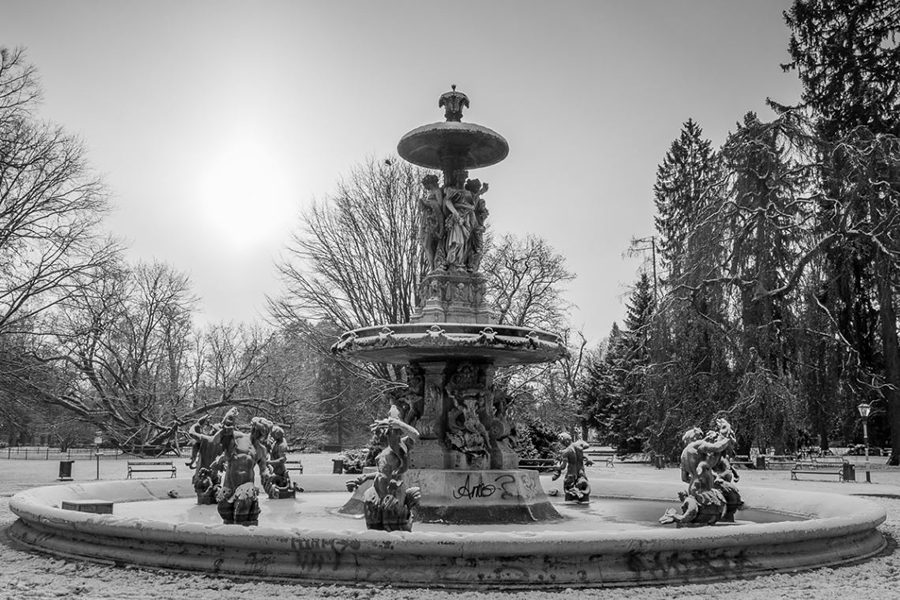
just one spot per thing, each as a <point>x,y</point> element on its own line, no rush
<point>244,194</point>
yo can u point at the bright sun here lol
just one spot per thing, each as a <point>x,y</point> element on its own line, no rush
<point>244,194</point>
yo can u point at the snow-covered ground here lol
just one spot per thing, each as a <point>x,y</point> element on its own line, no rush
<point>28,575</point>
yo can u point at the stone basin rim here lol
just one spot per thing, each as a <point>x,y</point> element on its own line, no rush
<point>38,505</point>
<point>488,560</point>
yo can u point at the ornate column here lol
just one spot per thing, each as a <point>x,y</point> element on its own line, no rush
<point>429,453</point>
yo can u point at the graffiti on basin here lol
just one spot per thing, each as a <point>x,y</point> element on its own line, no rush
<point>505,484</point>
<point>316,554</point>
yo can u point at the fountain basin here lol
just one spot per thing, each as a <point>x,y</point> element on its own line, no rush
<point>836,529</point>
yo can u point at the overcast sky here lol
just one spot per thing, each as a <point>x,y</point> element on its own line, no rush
<point>214,123</point>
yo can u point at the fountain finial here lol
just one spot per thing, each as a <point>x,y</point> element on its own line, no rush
<point>453,103</point>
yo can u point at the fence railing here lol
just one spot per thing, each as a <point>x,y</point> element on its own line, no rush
<point>50,453</point>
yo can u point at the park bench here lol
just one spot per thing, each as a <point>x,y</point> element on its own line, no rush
<point>150,466</point>
<point>742,460</point>
<point>294,465</point>
<point>819,466</point>
<point>541,465</point>
<point>607,456</point>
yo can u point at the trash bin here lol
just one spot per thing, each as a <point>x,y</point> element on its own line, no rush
<point>659,461</point>
<point>337,466</point>
<point>849,472</point>
<point>761,463</point>
<point>65,470</point>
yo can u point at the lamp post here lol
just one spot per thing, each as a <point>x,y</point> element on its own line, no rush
<point>864,410</point>
<point>97,442</point>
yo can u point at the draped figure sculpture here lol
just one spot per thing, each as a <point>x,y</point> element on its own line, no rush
<point>460,222</point>
<point>431,223</point>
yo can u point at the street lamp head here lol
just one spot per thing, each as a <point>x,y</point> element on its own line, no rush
<point>864,410</point>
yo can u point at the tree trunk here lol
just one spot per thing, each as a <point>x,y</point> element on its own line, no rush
<point>891,349</point>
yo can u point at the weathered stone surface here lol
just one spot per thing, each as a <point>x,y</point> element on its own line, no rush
<point>99,507</point>
<point>500,345</point>
<point>840,529</point>
<point>481,496</point>
<point>468,145</point>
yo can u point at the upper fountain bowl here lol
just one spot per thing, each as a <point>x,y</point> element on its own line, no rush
<point>468,145</point>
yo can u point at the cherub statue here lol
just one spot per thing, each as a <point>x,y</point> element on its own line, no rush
<point>711,450</point>
<point>572,459</point>
<point>237,497</point>
<point>702,504</point>
<point>389,503</point>
<point>278,484</point>
<point>204,452</point>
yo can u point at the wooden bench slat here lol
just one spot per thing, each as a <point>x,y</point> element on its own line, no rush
<point>827,466</point>
<point>151,466</point>
<point>538,464</point>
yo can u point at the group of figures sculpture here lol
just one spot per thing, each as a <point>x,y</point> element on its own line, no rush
<point>224,460</point>
<point>711,495</point>
<point>477,431</point>
<point>453,223</point>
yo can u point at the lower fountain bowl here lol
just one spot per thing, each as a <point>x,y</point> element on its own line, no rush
<point>834,529</point>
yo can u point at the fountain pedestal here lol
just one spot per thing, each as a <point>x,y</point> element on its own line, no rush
<point>464,462</point>
<point>480,496</point>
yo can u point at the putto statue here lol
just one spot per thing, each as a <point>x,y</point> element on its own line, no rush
<point>389,503</point>
<point>204,452</point>
<point>279,484</point>
<point>702,504</point>
<point>238,496</point>
<point>575,484</point>
<point>711,494</point>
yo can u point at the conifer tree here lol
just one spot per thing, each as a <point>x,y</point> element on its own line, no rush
<point>684,190</point>
<point>848,60</point>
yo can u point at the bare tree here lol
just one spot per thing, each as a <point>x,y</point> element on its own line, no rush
<point>124,343</point>
<point>51,206</point>
<point>233,357</point>
<point>525,279</point>
<point>356,260</point>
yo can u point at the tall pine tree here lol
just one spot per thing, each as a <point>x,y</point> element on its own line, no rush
<point>848,60</point>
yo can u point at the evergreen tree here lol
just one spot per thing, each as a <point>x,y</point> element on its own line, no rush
<point>763,241</point>
<point>685,187</point>
<point>600,391</point>
<point>690,378</point>
<point>612,392</point>
<point>848,60</point>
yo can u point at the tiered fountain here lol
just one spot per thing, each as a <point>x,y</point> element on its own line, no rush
<point>503,531</point>
<point>463,464</point>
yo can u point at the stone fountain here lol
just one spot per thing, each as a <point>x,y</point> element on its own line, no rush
<point>482,521</point>
<point>463,463</point>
